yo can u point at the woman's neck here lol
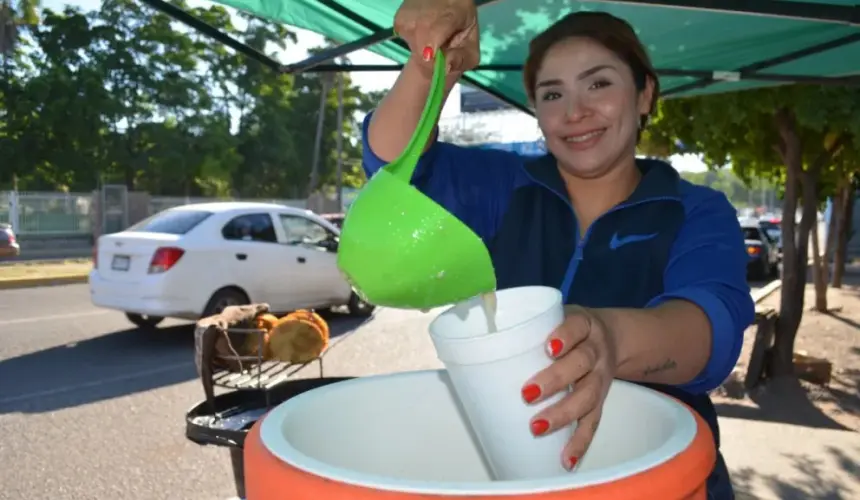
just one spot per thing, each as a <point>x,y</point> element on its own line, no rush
<point>592,198</point>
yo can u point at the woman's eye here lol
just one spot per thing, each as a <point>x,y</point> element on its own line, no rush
<point>599,84</point>
<point>550,96</point>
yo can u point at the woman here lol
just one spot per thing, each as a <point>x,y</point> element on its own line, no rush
<point>652,267</point>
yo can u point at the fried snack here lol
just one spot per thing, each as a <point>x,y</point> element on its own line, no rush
<point>252,345</point>
<point>313,317</point>
<point>298,340</point>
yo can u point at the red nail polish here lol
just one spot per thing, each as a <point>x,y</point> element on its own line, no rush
<point>555,346</point>
<point>539,426</point>
<point>571,462</point>
<point>531,392</point>
<point>427,53</point>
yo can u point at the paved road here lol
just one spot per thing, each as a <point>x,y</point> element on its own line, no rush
<point>93,409</point>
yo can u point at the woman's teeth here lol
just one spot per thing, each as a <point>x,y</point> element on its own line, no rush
<point>584,137</point>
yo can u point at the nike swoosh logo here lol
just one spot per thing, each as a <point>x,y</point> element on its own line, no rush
<point>617,242</point>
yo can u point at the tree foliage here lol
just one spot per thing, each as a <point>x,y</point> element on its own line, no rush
<point>802,138</point>
<point>123,94</point>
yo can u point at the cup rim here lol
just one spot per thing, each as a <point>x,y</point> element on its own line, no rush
<point>501,334</point>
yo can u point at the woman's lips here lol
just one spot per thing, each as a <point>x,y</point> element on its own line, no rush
<point>583,141</point>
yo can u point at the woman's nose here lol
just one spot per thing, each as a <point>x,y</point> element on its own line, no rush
<point>576,110</point>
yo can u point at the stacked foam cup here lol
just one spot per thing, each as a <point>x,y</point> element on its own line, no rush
<point>487,371</point>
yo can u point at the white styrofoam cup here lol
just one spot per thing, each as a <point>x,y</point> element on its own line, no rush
<point>489,370</point>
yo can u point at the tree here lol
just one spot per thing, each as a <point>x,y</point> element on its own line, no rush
<point>124,94</point>
<point>793,136</point>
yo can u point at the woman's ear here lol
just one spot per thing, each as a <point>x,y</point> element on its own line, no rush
<point>646,100</point>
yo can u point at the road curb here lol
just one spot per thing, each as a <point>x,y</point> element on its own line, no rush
<point>48,281</point>
<point>766,291</point>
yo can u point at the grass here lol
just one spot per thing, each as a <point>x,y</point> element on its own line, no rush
<point>44,269</point>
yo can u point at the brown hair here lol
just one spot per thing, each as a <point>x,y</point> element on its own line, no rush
<point>613,33</point>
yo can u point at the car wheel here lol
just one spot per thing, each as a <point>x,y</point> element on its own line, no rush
<point>358,307</point>
<point>224,298</point>
<point>143,320</point>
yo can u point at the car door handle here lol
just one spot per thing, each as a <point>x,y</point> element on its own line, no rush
<point>301,260</point>
<point>241,256</point>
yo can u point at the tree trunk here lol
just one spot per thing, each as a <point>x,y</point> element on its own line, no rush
<point>794,249</point>
<point>843,234</point>
<point>819,270</point>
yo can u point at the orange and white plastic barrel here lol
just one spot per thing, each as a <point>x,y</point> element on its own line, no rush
<point>403,437</point>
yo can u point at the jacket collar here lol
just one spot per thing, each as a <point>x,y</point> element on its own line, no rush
<point>659,179</point>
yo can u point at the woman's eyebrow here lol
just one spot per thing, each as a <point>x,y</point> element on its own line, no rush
<point>549,83</point>
<point>595,69</point>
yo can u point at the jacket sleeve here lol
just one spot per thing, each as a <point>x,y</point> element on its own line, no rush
<point>707,266</point>
<point>473,184</point>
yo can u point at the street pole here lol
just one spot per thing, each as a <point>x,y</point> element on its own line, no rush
<point>339,146</point>
<point>326,81</point>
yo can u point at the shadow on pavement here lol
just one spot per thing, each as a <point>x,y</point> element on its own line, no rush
<point>113,365</point>
<point>809,479</point>
<point>781,400</point>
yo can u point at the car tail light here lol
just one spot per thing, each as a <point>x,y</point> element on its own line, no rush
<point>165,258</point>
<point>753,250</point>
<point>11,237</point>
<point>96,256</point>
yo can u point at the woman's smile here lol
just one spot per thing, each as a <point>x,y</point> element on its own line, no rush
<point>583,141</point>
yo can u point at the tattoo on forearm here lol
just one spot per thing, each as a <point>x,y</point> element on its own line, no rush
<point>667,365</point>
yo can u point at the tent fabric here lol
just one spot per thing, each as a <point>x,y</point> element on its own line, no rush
<point>677,38</point>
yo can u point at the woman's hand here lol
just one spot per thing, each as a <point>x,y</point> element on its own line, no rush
<point>451,25</point>
<point>585,356</point>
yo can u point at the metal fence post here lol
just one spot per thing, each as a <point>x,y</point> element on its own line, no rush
<point>14,214</point>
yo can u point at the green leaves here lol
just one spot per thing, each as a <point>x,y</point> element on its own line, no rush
<point>738,129</point>
<point>124,94</point>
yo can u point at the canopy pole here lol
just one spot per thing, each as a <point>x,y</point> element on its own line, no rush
<point>212,32</point>
<point>750,71</point>
<point>709,74</point>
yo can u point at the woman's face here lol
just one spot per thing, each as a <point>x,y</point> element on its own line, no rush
<point>588,107</point>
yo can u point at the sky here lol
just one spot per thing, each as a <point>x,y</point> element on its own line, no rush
<point>509,126</point>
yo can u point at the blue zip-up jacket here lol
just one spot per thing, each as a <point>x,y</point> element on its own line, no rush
<point>670,240</point>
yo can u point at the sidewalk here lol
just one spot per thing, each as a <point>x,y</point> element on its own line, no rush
<point>776,461</point>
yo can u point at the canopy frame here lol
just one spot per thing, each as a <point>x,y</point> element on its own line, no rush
<point>808,11</point>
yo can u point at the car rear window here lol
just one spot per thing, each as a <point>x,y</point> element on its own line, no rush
<point>751,233</point>
<point>171,222</point>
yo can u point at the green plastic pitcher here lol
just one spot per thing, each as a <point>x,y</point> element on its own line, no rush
<point>398,248</point>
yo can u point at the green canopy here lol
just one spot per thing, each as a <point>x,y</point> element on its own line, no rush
<point>698,46</point>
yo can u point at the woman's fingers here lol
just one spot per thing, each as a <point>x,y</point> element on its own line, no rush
<point>582,400</point>
<point>573,357</point>
<point>581,439</point>
<point>445,24</point>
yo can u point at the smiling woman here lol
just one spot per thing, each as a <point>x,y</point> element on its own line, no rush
<point>651,267</point>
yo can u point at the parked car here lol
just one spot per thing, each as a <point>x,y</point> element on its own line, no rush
<point>9,247</point>
<point>336,219</point>
<point>772,228</point>
<point>192,261</point>
<point>762,250</point>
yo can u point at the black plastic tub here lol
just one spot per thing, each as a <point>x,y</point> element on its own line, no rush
<point>227,418</point>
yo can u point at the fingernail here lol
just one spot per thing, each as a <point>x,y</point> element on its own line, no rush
<point>539,426</point>
<point>427,53</point>
<point>531,392</point>
<point>554,347</point>
<point>571,462</point>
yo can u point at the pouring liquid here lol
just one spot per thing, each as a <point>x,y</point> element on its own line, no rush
<point>490,307</point>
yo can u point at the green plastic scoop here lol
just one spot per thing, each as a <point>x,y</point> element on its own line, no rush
<point>398,248</point>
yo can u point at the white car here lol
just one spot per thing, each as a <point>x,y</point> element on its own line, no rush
<point>192,261</point>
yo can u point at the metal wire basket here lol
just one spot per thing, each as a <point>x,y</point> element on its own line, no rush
<point>221,364</point>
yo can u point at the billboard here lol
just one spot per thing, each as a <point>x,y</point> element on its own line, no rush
<point>473,100</point>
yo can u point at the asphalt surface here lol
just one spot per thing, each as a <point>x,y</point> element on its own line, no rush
<point>92,408</point>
